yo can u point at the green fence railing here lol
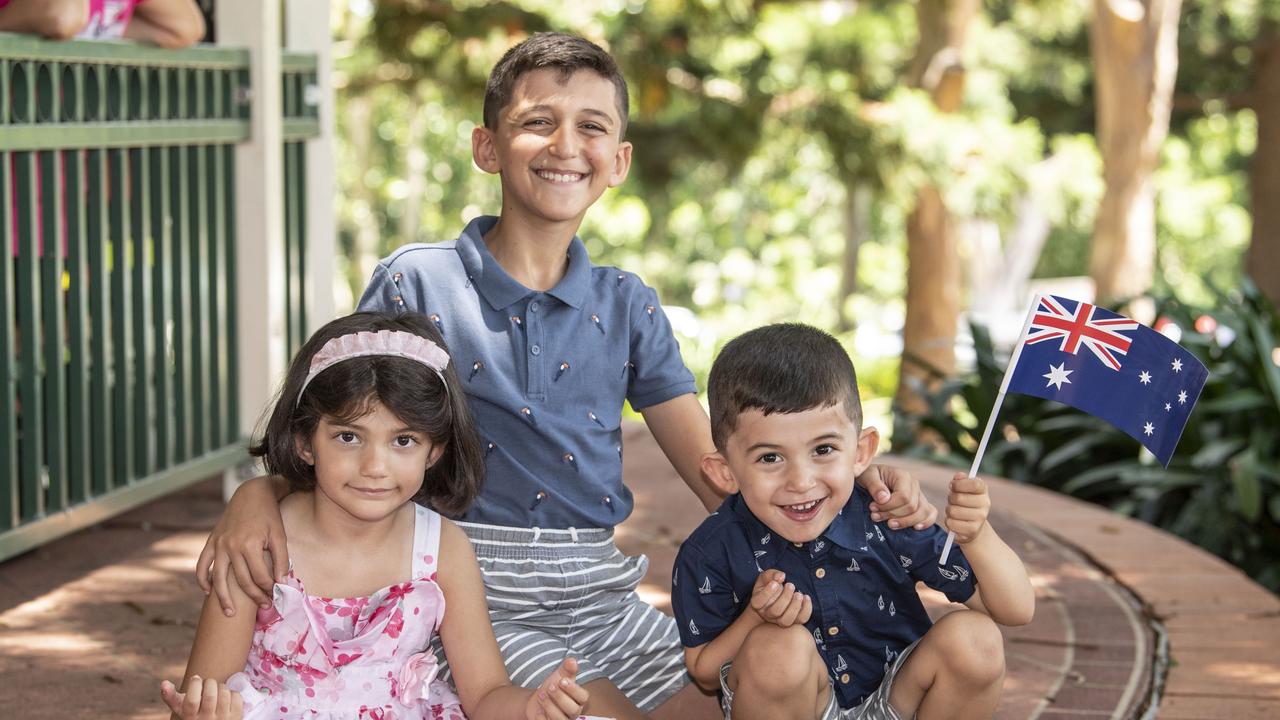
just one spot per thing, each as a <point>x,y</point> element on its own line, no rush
<point>301,122</point>
<point>117,324</point>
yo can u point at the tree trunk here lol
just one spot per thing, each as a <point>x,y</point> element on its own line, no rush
<point>857,227</point>
<point>1135,57</point>
<point>933,265</point>
<point>1263,257</point>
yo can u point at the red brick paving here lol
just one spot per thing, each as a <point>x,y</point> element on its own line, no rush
<point>89,623</point>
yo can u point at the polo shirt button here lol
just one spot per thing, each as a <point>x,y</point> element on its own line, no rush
<point>833,630</point>
<point>533,306</point>
<point>799,545</point>
<point>821,573</point>
<point>844,678</point>
<point>536,350</point>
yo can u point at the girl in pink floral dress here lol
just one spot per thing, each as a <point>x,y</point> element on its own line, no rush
<point>370,419</point>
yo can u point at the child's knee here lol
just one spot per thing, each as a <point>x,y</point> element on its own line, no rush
<point>778,660</point>
<point>972,647</point>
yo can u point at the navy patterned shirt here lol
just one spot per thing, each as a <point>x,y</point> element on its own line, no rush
<point>861,576</point>
<point>546,373</point>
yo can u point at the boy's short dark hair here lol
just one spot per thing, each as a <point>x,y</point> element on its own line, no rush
<point>783,368</point>
<point>564,52</point>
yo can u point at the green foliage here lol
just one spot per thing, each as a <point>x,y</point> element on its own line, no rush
<point>1222,487</point>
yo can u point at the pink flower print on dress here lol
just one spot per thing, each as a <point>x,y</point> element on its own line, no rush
<point>414,681</point>
<point>395,625</point>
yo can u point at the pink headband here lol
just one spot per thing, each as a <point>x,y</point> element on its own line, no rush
<point>395,343</point>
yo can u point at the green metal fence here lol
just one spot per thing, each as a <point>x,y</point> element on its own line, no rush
<point>117,324</point>
<point>301,121</point>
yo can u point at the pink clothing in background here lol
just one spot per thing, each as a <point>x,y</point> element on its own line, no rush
<point>107,18</point>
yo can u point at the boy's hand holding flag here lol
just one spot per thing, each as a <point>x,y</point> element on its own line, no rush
<point>1106,365</point>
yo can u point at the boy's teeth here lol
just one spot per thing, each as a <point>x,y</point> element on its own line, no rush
<point>803,506</point>
<point>560,177</point>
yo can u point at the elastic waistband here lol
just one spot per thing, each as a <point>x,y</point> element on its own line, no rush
<point>507,541</point>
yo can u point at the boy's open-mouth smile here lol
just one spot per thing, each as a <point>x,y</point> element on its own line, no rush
<point>803,512</point>
<point>560,176</point>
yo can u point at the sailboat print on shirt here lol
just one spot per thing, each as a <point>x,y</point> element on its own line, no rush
<point>841,665</point>
<point>854,566</point>
<point>694,628</point>
<point>705,587</point>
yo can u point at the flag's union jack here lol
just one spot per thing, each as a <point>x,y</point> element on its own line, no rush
<point>1094,328</point>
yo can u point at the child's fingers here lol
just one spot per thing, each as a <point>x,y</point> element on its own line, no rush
<point>172,698</point>
<point>960,514</point>
<point>224,701</point>
<point>806,610</point>
<point>244,577</point>
<point>204,567</point>
<point>764,596</point>
<point>576,692</point>
<point>237,707</point>
<point>968,485</point>
<point>562,701</point>
<point>779,606</point>
<point>191,701</point>
<point>209,700</point>
<point>792,610</point>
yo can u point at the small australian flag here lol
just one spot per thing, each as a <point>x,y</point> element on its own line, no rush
<point>1110,367</point>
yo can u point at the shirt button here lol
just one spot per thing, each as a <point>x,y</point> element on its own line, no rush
<point>533,306</point>
<point>844,678</point>
<point>833,630</point>
<point>799,545</point>
<point>821,573</point>
<point>536,350</point>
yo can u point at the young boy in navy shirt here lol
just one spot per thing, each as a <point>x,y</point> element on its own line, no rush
<point>790,599</point>
<point>549,346</point>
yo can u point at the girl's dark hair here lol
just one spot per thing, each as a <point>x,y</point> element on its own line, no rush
<point>348,390</point>
<point>561,51</point>
<point>782,368</point>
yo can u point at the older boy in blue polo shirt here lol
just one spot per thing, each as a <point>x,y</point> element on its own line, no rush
<point>790,598</point>
<point>549,347</point>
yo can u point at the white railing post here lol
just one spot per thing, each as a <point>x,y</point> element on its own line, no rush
<point>259,197</point>
<point>307,30</point>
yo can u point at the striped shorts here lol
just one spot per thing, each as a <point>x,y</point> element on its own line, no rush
<point>559,593</point>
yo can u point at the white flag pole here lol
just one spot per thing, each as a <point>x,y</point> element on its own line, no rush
<point>995,410</point>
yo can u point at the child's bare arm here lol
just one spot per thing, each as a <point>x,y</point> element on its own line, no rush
<point>167,23</point>
<point>1005,591</point>
<point>683,431</point>
<point>219,651</point>
<point>476,664</point>
<point>250,525</point>
<point>773,600</point>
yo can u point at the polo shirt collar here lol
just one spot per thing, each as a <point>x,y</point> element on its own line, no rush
<point>845,530</point>
<point>501,290</point>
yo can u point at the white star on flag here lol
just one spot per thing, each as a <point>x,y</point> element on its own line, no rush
<point>1149,429</point>
<point>1057,376</point>
<point>1144,377</point>
<point>1182,397</point>
<point>1177,364</point>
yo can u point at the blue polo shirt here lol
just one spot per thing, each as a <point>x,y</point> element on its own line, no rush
<point>861,576</point>
<point>546,373</point>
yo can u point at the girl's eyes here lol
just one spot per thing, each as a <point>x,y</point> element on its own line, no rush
<point>346,437</point>
<point>404,441</point>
